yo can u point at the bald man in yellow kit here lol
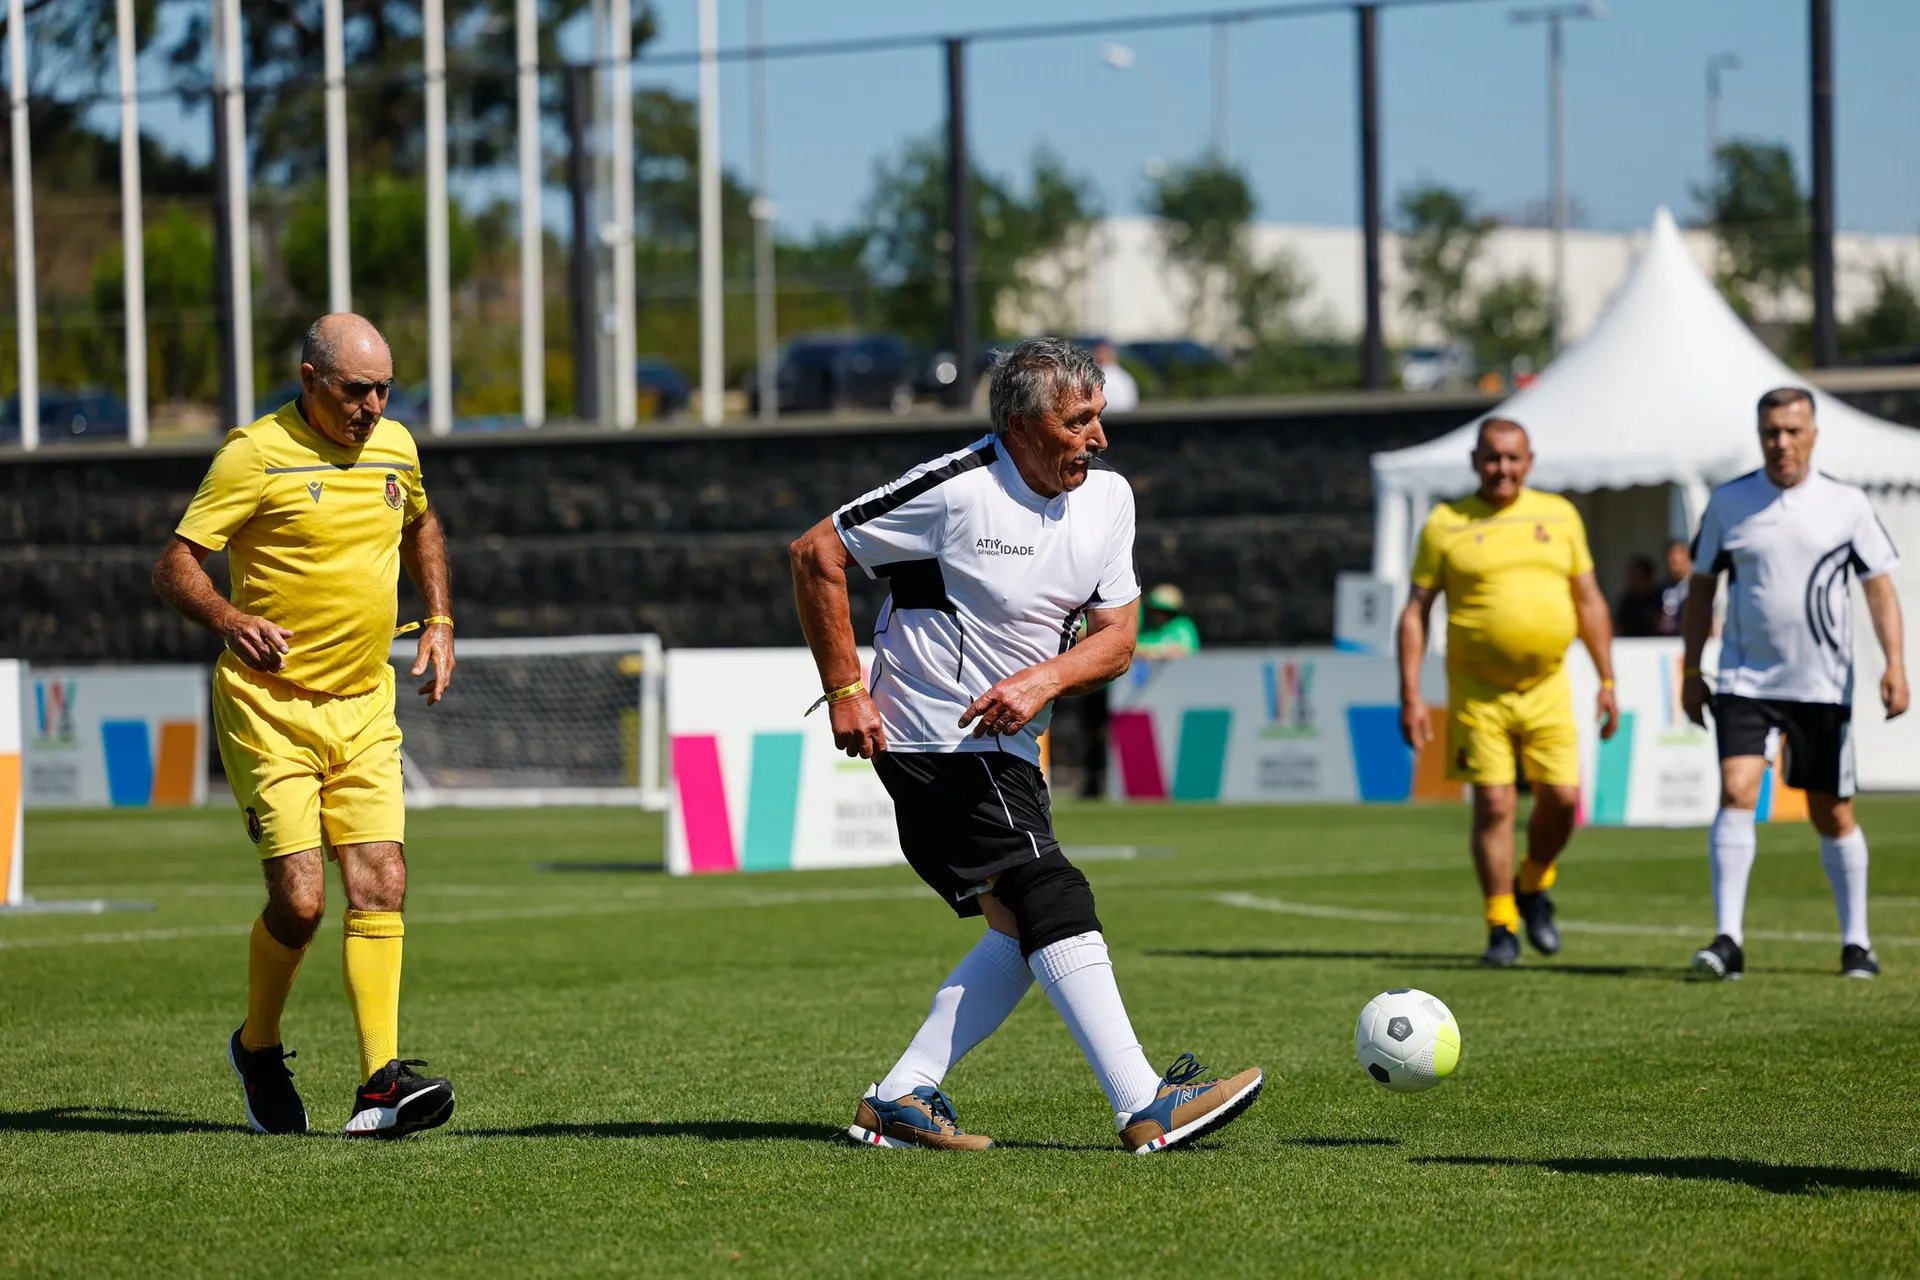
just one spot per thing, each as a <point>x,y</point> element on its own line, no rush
<point>318,505</point>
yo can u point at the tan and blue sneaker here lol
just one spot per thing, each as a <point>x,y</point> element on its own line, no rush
<point>924,1118</point>
<point>1185,1111</point>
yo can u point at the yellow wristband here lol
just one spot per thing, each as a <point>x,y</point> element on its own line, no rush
<point>1688,673</point>
<point>438,619</point>
<point>1606,684</point>
<point>838,695</point>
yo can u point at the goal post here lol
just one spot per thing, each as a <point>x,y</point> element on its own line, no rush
<point>547,720</point>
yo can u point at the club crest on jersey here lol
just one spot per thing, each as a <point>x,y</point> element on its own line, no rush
<point>313,490</point>
<point>393,491</point>
<point>1540,533</point>
<point>253,825</point>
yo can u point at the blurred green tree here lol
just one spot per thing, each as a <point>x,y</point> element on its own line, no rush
<point>387,221</point>
<point>183,345</point>
<point>1510,318</point>
<point>1891,325</point>
<point>1441,235</point>
<point>1755,207</point>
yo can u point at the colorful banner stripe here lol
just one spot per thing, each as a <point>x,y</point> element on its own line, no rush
<point>703,803</point>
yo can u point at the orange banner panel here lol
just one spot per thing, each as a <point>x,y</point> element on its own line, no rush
<point>179,758</point>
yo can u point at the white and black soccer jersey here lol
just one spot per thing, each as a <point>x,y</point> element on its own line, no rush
<point>1789,555</point>
<point>988,578</point>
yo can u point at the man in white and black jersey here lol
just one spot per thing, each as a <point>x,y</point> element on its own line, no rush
<point>994,555</point>
<point>1789,538</point>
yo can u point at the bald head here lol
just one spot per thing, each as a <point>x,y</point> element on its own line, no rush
<point>346,373</point>
<point>1502,457</point>
<point>342,334</point>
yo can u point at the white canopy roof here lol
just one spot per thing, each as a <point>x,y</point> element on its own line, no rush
<point>1661,391</point>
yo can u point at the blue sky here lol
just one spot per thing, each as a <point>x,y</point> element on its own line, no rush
<point>1464,92</point>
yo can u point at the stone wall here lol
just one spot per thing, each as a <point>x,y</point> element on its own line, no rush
<point>684,532</point>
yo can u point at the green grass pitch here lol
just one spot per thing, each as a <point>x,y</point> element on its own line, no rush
<point>651,1072</point>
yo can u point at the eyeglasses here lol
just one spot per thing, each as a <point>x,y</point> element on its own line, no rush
<point>357,390</point>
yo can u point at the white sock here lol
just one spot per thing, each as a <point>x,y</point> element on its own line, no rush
<point>1732,843</point>
<point>969,1006</point>
<point>1845,859</point>
<point>1077,975</point>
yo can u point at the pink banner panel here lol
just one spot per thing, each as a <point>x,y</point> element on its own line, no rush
<point>1140,775</point>
<point>703,803</point>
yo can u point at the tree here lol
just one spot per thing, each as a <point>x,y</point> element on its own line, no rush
<point>1510,318</point>
<point>1759,214</point>
<point>1441,235</point>
<point>1205,212</point>
<point>908,246</point>
<point>1891,325</point>
<point>387,225</point>
<point>177,252</point>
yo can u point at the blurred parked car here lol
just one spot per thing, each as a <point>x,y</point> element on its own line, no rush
<point>824,372</point>
<point>661,383</point>
<point>68,416</point>
<point>1434,368</point>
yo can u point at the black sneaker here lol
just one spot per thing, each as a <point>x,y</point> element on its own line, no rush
<point>395,1102</point>
<point>1536,912</point>
<point>1503,949</point>
<point>1858,962</point>
<point>273,1106</point>
<point>1721,959</point>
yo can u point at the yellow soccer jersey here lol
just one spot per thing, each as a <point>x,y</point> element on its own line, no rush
<point>312,532</point>
<point>1506,575</point>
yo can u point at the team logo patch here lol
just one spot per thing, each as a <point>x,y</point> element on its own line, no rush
<point>1540,533</point>
<point>253,826</point>
<point>313,490</point>
<point>393,491</point>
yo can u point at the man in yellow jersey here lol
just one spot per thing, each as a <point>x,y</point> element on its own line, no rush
<point>318,506</point>
<point>1519,583</point>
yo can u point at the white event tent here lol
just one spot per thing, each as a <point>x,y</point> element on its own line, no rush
<point>1644,416</point>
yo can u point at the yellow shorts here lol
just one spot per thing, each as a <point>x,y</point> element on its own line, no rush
<point>308,768</point>
<point>1486,724</point>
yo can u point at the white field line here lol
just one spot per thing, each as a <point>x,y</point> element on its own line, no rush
<point>1252,902</point>
<point>632,902</point>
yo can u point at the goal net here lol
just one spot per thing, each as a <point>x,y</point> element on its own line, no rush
<point>564,720</point>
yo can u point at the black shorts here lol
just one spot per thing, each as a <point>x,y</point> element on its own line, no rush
<point>1819,738</point>
<point>967,816</point>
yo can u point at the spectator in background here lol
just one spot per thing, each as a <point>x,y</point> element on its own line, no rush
<point>1166,631</point>
<point>1123,393</point>
<point>1638,611</point>
<point>1673,596</point>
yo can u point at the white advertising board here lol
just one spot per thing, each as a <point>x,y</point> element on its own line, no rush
<point>757,784</point>
<point>113,736</point>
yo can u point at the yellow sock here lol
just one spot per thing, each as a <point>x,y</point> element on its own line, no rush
<point>1535,878</point>
<point>271,965</point>
<point>372,966</point>
<point>1502,912</point>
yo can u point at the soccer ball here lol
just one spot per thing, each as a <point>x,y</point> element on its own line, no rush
<point>1407,1040</point>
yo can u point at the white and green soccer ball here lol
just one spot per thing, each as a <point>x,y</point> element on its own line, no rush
<point>1407,1040</point>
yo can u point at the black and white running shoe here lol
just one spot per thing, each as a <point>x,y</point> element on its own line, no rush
<point>1720,959</point>
<point>273,1105</point>
<point>395,1102</point>
<point>1858,962</point>
<point>1536,913</point>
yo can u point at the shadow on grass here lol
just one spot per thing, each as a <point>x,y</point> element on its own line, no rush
<point>705,1130</point>
<point>1322,1141</point>
<point>108,1120</point>
<point>1434,960</point>
<point>1781,1179</point>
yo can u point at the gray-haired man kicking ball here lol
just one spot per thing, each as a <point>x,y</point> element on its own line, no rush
<point>995,554</point>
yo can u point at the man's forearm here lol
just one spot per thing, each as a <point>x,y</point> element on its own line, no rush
<point>1413,648</point>
<point>1696,622</point>
<point>1883,606</point>
<point>181,581</point>
<point>1596,633</point>
<point>1094,663</point>
<point>423,550</point>
<point>826,620</point>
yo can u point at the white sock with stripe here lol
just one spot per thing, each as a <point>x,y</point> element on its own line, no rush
<point>970,1005</point>
<point>1845,859</point>
<point>1732,843</point>
<point>1077,975</point>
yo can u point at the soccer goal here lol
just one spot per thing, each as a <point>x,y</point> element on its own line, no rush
<point>562,720</point>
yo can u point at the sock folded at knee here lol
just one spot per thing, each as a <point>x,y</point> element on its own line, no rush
<point>1537,877</point>
<point>985,987</point>
<point>370,962</point>
<point>1732,844</point>
<point>1077,975</point>
<point>1502,913</point>
<point>1845,858</point>
<point>271,966</point>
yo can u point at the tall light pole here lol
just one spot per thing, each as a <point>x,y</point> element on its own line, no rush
<point>1715,65</point>
<point>765,334</point>
<point>1555,17</point>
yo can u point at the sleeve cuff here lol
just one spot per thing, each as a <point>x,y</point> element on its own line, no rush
<point>853,553</point>
<point>200,537</point>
